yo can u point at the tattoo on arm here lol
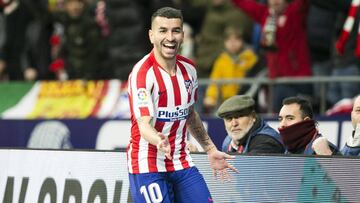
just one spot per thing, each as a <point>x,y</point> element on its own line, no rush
<point>198,131</point>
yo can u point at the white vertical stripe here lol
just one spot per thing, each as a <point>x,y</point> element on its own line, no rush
<point>130,167</point>
<point>160,163</point>
<point>349,23</point>
<point>355,3</point>
<point>176,158</point>
<point>143,156</point>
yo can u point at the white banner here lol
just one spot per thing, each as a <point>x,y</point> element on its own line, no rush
<point>63,176</point>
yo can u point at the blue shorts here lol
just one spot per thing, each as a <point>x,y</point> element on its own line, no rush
<point>186,185</point>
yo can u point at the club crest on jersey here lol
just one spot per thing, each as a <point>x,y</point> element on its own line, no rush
<point>142,96</point>
<point>188,85</point>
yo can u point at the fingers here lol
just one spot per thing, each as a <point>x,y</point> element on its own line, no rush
<point>168,155</point>
<point>227,156</point>
<point>223,175</point>
<point>162,136</point>
<point>231,167</point>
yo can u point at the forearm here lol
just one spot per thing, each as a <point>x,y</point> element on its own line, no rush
<point>198,131</point>
<point>148,132</point>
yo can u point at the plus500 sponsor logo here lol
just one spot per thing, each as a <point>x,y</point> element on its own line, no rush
<point>176,115</point>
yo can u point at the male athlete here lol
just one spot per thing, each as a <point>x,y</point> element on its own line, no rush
<point>162,92</point>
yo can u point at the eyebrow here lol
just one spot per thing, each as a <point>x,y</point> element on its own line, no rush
<point>287,116</point>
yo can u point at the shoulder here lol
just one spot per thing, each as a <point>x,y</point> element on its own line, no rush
<point>188,64</point>
<point>185,60</point>
<point>143,66</point>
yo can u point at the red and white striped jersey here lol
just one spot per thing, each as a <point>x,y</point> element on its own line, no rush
<point>153,92</point>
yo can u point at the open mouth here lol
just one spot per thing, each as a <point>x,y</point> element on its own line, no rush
<point>170,46</point>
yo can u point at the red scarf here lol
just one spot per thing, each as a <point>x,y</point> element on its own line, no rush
<point>348,26</point>
<point>298,135</point>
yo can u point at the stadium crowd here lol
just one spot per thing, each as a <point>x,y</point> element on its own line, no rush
<point>98,39</point>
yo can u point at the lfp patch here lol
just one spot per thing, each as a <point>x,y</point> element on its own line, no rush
<point>142,96</point>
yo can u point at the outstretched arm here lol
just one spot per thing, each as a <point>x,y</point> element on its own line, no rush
<point>217,159</point>
<point>150,134</point>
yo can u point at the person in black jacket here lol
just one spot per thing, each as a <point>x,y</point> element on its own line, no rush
<point>346,49</point>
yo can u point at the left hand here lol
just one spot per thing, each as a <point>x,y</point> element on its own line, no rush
<point>219,164</point>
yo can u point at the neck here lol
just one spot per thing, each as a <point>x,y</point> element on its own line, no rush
<point>167,64</point>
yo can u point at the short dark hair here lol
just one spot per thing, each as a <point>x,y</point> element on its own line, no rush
<point>305,105</point>
<point>167,12</point>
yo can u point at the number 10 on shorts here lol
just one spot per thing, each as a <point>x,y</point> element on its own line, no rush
<point>152,193</point>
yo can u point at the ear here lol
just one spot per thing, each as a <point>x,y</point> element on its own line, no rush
<point>151,36</point>
<point>307,118</point>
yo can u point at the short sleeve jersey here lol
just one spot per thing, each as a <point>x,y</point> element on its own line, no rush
<point>167,99</point>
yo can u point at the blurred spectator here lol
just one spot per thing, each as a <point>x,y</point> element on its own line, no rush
<point>233,63</point>
<point>128,39</point>
<point>347,47</point>
<point>126,43</point>
<point>219,15</point>
<point>194,12</point>
<point>298,128</point>
<point>321,32</point>
<point>284,38</point>
<point>82,46</point>
<point>352,146</point>
<point>247,132</point>
<point>188,45</point>
<point>15,62</point>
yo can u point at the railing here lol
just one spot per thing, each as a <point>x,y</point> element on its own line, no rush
<point>322,81</point>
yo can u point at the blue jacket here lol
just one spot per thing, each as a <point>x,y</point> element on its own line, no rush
<point>350,151</point>
<point>263,129</point>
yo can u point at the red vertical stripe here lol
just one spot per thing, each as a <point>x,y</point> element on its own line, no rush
<point>162,88</point>
<point>186,77</point>
<point>182,158</point>
<point>172,137</point>
<point>177,94</point>
<point>353,11</point>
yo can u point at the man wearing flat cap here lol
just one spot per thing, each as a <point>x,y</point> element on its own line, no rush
<point>247,131</point>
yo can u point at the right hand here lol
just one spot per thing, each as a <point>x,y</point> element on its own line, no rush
<point>164,145</point>
<point>321,146</point>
